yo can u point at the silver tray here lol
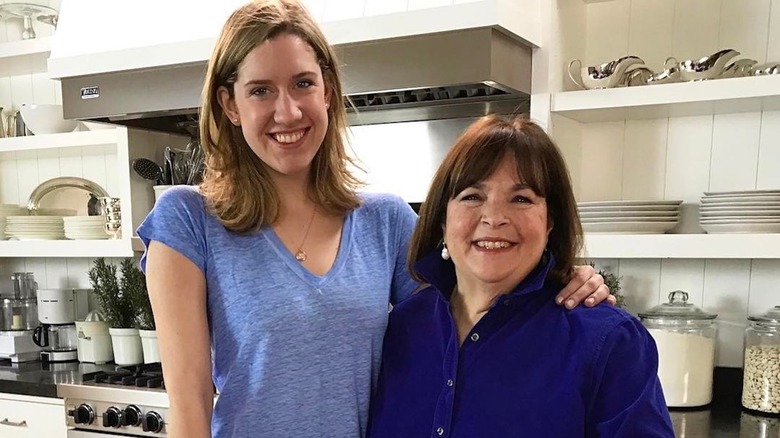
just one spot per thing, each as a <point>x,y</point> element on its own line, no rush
<point>63,182</point>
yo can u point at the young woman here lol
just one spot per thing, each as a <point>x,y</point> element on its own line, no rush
<point>273,278</point>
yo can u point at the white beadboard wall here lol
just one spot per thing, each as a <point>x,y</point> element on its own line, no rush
<point>679,158</point>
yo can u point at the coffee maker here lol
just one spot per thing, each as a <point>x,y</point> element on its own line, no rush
<point>18,319</point>
<point>58,310</point>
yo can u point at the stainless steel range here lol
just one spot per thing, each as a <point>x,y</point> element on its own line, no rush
<point>127,402</point>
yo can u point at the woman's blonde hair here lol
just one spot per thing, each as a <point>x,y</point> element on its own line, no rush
<point>236,182</point>
<point>475,156</point>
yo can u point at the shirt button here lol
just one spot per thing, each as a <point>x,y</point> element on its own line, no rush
<point>440,431</point>
<point>475,337</point>
<point>450,382</point>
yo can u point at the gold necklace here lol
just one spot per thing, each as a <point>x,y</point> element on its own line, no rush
<point>300,255</point>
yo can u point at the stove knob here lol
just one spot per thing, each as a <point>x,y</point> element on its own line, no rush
<point>153,422</point>
<point>84,414</point>
<point>132,416</point>
<point>113,417</point>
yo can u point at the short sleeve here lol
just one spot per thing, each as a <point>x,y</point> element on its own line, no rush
<point>178,220</point>
<point>403,284</point>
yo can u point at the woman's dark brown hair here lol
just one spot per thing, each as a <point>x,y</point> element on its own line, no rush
<point>236,181</point>
<point>474,157</point>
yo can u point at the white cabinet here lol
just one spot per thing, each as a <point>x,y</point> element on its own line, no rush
<point>31,417</point>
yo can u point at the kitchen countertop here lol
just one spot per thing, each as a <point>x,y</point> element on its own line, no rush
<point>41,379</point>
<point>724,418</point>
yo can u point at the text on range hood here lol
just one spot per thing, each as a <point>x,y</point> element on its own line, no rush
<point>464,73</point>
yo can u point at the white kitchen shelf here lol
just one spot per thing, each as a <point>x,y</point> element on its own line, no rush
<point>24,48</point>
<point>57,141</point>
<point>683,246</point>
<point>66,248</point>
<point>721,96</point>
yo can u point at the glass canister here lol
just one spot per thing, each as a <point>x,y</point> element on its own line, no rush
<point>686,337</point>
<point>761,381</point>
<point>19,314</point>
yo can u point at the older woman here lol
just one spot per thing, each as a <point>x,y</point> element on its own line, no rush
<point>484,351</point>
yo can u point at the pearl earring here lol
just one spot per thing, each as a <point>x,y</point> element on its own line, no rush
<point>445,253</point>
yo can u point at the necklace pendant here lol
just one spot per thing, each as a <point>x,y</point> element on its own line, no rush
<point>300,255</point>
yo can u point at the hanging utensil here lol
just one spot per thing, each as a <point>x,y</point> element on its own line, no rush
<point>148,169</point>
<point>167,167</point>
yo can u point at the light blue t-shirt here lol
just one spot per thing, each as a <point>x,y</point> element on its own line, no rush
<point>293,354</point>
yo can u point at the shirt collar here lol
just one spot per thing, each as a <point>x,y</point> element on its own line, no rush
<point>440,273</point>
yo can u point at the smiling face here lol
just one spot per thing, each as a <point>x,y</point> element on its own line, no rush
<point>279,100</point>
<point>496,230</point>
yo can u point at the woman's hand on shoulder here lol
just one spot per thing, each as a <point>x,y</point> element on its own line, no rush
<point>585,285</point>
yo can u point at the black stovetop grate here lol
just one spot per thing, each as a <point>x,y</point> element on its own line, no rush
<point>146,375</point>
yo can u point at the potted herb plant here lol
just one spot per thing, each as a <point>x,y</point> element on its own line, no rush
<point>115,296</point>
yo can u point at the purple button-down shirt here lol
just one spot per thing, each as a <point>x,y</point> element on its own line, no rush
<point>528,368</point>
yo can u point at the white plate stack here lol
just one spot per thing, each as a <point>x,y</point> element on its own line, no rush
<point>85,227</point>
<point>9,210</point>
<point>751,211</point>
<point>34,228</point>
<point>629,217</point>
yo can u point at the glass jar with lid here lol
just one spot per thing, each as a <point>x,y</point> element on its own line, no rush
<point>686,337</point>
<point>761,381</point>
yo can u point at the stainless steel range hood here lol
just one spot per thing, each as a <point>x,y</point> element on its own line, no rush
<point>463,73</point>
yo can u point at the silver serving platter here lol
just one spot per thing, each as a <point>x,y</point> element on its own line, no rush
<point>60,183</point>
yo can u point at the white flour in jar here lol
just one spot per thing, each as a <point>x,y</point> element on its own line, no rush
<point>685,365</point>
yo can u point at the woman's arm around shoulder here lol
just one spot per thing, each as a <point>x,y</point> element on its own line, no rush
<point>627,400</point>
<point>177,289</point>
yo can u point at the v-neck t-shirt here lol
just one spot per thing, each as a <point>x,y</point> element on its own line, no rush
<point>293,353</point>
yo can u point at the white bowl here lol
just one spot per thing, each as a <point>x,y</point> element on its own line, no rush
<point>46,119</point>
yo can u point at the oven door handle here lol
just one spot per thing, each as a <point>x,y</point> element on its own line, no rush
<point>7,422</point>
<point>72,433</point>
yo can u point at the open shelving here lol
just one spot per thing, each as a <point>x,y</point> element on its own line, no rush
<point>98,137</point>
<point>683,246</point>
<point>25,48</point>
<point>66,248</point>
<point>720,96</point>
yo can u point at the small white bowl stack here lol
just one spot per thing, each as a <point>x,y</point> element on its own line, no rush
<point>750,211</point>
<point>85,227</point>
<point>9,210</point>
<point>629,216</point>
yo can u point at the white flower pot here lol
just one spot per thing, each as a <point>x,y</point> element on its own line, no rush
<point>149,344</point>
<point>127,346</point>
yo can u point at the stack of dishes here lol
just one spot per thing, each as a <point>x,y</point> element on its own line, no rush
<point>751,211</point>
<point>34,228</point>
<point>629,217</point>
<point>9,210</point>
<point>85,227</point>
